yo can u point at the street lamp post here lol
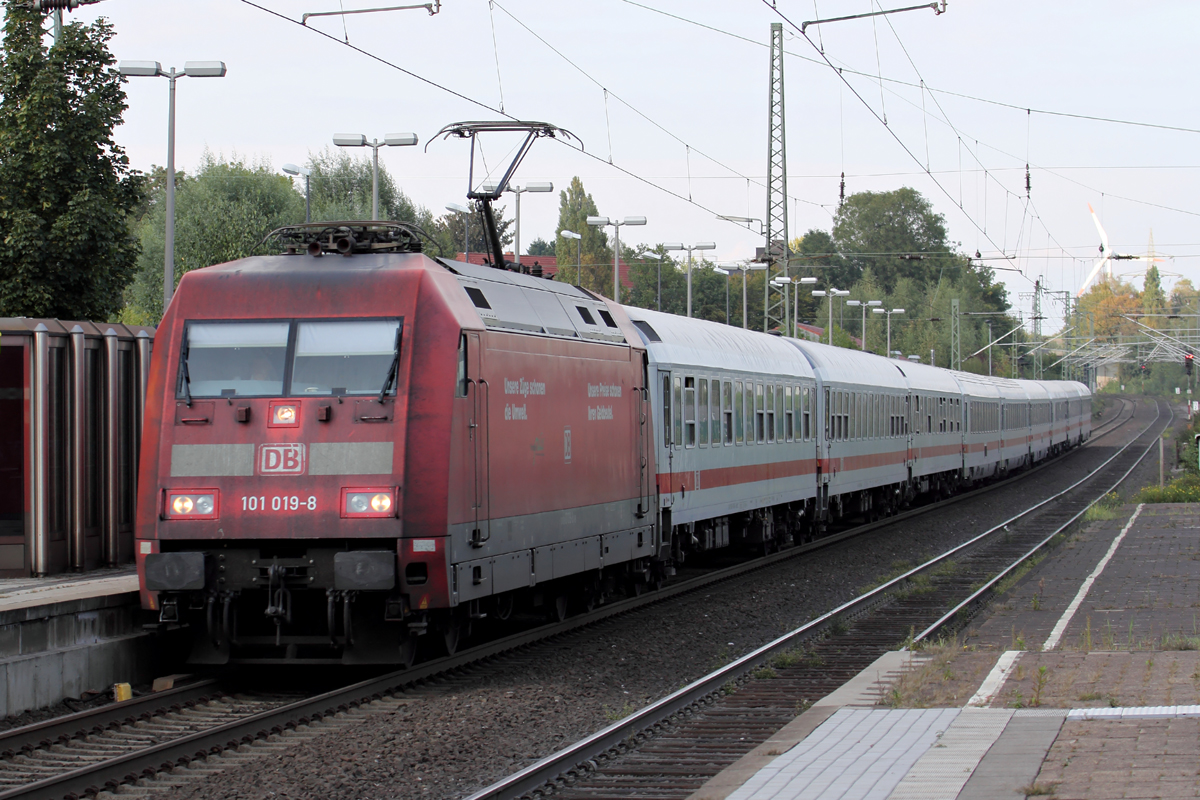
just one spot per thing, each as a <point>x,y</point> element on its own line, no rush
<point>889,324</point>
<point>744,269</point>
<point>292,169</point>
<point>864,305</point>
<point>690,248</point>
<point>578,251</point>
<point>616,226</point>
<point>830,293</point>
<point>532,186</point>
<point>390,140</point>
<point>724,272</point>
<point>658,264</point>
<point>153,69</point>
<point>466,212</point>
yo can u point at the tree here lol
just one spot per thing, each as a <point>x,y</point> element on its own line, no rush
<point>221,214</point>
<point>451,229</point>
<point>1154,300</point>
<point>66,188</point>
<point>540,247</point>
<point>574,207</point>
<point>341,190</point>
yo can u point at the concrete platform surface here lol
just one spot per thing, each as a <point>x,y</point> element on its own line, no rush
<point>1117,690</point>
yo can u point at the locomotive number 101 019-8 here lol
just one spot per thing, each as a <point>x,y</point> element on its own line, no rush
<point>278,503</point>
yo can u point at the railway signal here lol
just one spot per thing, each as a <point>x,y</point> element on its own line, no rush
<point>1187,362</point>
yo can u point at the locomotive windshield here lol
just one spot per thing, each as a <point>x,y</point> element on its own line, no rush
<point>236,358</point>
<point>224,359</point>
<point>343,357</point>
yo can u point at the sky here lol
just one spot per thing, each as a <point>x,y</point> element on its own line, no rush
<point>668,101</point>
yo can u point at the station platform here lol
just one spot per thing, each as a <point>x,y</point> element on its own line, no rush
<point>64,635</point>
<point>1082,682</point>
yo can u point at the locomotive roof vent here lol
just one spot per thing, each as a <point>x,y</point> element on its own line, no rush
<point>348,238</point>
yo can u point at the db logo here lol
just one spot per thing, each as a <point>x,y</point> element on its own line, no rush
<point>281,459</point>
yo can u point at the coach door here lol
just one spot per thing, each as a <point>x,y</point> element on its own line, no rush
<point>666,459</point>
<point>480,477</point>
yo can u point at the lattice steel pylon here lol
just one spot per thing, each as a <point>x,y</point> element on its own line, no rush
<point>776,252</point>
<point>955,337</point>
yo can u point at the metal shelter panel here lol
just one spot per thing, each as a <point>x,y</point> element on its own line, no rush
<point>71,403</point>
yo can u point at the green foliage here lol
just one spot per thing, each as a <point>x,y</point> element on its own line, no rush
<point>451,228</point>
<point>66,188</point>
<point>1181,490</point>
<point>1103,509</point>
<point>221,214</point>
<point>341,190</point>
<point>595,272</point>
<point>540,247</point>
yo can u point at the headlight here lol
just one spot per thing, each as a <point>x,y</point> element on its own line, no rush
<point>187,504</point>
<point>368,503</point>
<point>284,414</point>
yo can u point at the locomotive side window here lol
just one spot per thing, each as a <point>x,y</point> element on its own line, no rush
<point>702,416</point>
<point>727,406</point>
<point>460,387</point>
<point>234,358</point>
<point>345,357</point>
<point>689,412</point>
<point>585,315</point>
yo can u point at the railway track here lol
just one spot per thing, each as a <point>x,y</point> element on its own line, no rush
<point>103,748</point>
<point>672,747</point>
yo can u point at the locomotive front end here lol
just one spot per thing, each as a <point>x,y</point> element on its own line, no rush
<point>273,517</point>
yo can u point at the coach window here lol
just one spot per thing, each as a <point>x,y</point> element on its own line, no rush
<point>689,412</point>
<point>760,411</point>
<point>702,415</point>
<point>750,411</point>
<point>666,399</point>
<point>806,428</point>
<point>714,419</point>
<point>770,398</point>
<point>727,410</point>
<point>738,412</point>
<point>789,428</point>
<point>678,413</point>
<point>780,413</point>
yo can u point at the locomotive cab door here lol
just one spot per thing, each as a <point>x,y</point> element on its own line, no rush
<point>477,386</point>
<point>642,436</point>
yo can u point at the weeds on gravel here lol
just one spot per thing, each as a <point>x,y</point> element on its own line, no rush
<point>618,714</point>
<point>898,569</point>
<point>796,658</point>
<point>924,686</point>
<point>1180,490</point>
<point>1039,683</point>
<point>1180,642</point>
<point>1104,508</point>
<point>764,673</point>
<point>838,626</point>
<point>1036,789</point>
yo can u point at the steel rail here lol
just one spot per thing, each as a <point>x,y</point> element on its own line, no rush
<point>129,767</point>
<point>551,768</point>
<point>976,597</point>
<point>81,723</point>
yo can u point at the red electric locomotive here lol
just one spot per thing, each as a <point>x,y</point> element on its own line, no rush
<point>351,444</point>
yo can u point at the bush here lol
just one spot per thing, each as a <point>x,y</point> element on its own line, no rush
<point>1180,490</point>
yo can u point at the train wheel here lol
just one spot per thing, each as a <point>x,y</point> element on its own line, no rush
<point>557,609</point>
<point>452,635</point>
<point>408,651</point>
<point>504,606</point>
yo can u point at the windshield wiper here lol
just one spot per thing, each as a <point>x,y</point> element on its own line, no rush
<point>187,379</point>
<point>393,370</point>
